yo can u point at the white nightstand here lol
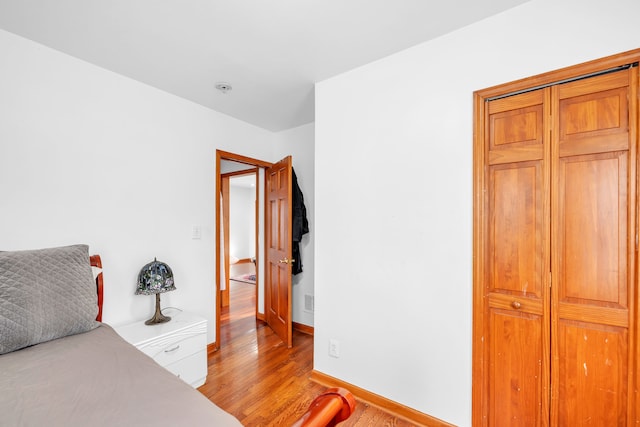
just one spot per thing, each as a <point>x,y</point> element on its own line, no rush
<point>179,345</point>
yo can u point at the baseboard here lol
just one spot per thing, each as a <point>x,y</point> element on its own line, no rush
<point>211,348</point>
<point>305,329</point>
<point>394,408</point>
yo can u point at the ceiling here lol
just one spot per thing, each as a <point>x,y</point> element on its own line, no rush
<point>270,51</point>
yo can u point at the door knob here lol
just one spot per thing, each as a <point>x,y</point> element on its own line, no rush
<point>287,261</point>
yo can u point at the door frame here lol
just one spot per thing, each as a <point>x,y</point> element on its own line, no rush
<point>220,156</point>
<point>479,233</point>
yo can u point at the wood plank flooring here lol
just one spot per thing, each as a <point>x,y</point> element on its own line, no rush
<point>261,382</point>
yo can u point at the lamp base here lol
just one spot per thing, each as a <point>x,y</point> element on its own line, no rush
<point>158,317</point>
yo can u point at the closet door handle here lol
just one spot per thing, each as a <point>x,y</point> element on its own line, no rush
<point>516,305</point>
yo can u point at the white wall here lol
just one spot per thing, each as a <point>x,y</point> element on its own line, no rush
<point>299,143</point>
<point>88,156</point>
<point>242,220</point>
<point>393,195</point>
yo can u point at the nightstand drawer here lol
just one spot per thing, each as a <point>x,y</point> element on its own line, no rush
<point>168,351</point>
<point>192,369</point>
<point>179,345</point>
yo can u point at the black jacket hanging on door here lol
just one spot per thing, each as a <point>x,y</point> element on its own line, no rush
<point>299,223</point>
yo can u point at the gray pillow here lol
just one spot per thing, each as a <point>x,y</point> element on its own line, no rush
<point>45,294</point>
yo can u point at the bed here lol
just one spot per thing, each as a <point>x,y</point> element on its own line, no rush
<point>60,365</point>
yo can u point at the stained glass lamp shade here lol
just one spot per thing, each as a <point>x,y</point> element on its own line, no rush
<point>155,278</point>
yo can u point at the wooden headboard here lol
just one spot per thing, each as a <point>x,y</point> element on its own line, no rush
<point>97,262</point>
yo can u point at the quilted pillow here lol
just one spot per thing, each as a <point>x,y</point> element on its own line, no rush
<point>45,294</point>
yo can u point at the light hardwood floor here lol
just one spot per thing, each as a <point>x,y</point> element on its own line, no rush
<point>261,382</point>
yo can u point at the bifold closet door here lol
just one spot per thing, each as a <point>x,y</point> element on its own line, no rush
<point>593,237</point>
<point>555,241</point>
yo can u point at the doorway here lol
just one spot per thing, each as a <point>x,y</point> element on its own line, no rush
<point>269,287</point>
<point>228,164</point>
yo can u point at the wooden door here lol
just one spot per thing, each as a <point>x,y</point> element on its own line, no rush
<point>555,292</point>
<point>516,282</point>
<point>278,249</point>
<point>593,239</point>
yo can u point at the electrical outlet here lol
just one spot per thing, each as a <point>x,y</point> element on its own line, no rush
<point>334,348</point>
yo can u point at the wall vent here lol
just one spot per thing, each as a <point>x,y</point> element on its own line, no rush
<point>308,303</point>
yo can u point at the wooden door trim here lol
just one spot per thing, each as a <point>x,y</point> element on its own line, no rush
<point>479,215</point>
<point>226,155</point>
<point>239,173</point>
<point>255,163</point>
<point>224,294</point>
<point>225,179</point>
<point>478,387</point>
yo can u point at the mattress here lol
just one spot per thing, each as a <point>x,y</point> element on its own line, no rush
<point>96,378</point>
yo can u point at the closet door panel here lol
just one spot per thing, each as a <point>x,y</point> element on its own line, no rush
<point>593,230</point>
<point>516,128</point>
<point>517,333</point>
<point>593,375</point>
<point>515,229</point>
<point>515,369</point>
<point>591,268</point>
<point>594,108</point>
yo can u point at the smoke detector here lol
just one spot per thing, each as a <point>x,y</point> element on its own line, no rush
<point>223,87</point>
